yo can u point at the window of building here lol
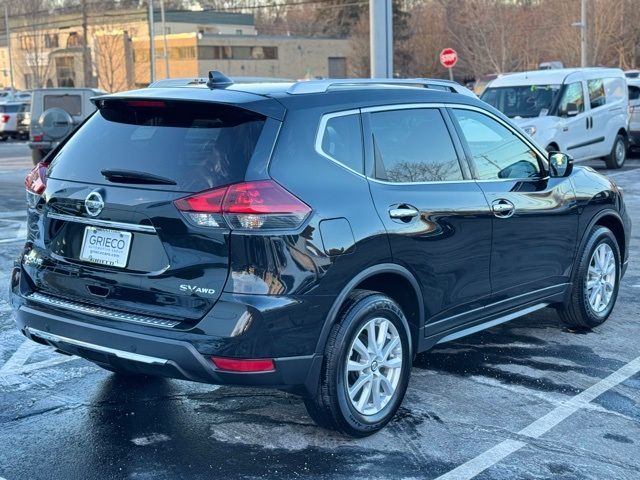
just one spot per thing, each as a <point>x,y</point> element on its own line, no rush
<point>497,152</point>
<point>27,42</point>
<point>51,40</point>
<point>65,72</point>
<point>413,146</point>
<point>74,40</point>
<point>208,52</point>
<point>342,141</point>
<point>596,93</point>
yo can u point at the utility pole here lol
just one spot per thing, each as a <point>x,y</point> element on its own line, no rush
<point>582,25</point>
<point>152,46</point>
<point>164,40</point>
<point>86,55</point>
<point>8,32</point>
<point>381,38</point>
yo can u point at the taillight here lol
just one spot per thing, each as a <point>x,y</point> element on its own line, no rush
<point>242,365</point>
<point>37,138</point>
<point>4,118</point>
<point>36,182</point>
<point>245,206</point>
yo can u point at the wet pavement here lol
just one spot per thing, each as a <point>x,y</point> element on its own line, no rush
<point>468,402</point>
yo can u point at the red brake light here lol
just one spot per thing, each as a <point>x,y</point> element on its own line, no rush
<point>37,138</point>
<point>250,205</point>
<point>262,197</point>
<point>206,202</point>
<point>146,103</point>
<point>36,180</point>
<point>239,365</point>
<point>5,118</point>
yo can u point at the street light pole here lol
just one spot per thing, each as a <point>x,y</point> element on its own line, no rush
<point>164,40</point>
<point>8,32</point>
<point>152,45</point>
<point>381,38</point>
<point>582,25</point>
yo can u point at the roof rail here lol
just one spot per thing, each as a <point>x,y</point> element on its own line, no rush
<point>178,82</point>
<point>321,86</point>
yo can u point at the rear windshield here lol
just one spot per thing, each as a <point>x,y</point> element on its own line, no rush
<point>9,108</point>
<point>72,104</point>
<point>197,145</point>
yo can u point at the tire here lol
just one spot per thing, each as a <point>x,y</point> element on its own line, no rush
<point>582,311</point>
<point>333,407</point>
<point>36,156</point>
<point>618,152</point>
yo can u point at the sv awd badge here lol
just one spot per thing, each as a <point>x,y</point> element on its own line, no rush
<point>197,290</point>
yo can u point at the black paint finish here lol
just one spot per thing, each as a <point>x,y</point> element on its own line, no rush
<point>277,293</point>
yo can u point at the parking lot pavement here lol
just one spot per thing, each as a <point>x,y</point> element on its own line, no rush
<point>522,400</point>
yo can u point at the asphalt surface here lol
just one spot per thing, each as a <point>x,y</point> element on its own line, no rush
<point>523,400</point>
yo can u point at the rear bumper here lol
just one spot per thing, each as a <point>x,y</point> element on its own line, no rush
<point>155,355</point>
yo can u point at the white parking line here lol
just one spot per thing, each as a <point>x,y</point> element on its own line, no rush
<point>541,426</point>
<point>17,363</point>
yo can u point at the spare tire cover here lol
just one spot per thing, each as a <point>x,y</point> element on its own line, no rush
<point>56,123</point>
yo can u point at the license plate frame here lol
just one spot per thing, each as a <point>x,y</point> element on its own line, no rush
<point>106,255</point>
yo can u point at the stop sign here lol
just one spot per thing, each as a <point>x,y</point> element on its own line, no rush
<point>448,57</point>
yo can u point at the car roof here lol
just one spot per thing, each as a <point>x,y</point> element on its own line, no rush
<point>273,98</point>
<point>553,77</point>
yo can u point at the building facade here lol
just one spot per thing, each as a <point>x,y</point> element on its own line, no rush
<point>119,53</point>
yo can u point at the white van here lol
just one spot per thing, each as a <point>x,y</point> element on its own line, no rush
<point>579,111</point>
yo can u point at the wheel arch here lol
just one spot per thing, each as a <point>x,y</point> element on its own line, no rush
<point>610,219</point>
<point>394,281</point>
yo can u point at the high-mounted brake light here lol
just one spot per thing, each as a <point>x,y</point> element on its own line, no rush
<point>245,206</point>
<point>241,365</point>
<point>36,182</point>
<point>146,103</point>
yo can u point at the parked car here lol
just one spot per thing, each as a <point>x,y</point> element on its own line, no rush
<point>634,112</point>
<point>55,112</point>
<point>10,115</point>
<point>24,121</point>
<point>312,237</point>
<point>581,111</point>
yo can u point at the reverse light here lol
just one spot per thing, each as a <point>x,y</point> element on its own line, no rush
<point>245,206</point>
<point>242,365</point>
<point>36,182</point>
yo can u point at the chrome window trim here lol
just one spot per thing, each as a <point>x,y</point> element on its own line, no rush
<point>102,223</point>
<point>320,137</point>
<point>409,106</point>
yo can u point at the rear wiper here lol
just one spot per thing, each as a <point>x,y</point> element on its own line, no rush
<point>130,176</point>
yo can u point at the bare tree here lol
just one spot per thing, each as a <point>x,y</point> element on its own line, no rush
<point>112,58</point>
<point>33,40</point>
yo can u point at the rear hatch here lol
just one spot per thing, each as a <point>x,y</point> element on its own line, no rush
<point>109,233</point>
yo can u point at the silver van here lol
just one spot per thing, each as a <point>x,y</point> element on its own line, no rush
<point>55,112</point>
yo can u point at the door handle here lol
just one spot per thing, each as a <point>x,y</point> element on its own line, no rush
<point>403,213</point>
<point>503,208</point>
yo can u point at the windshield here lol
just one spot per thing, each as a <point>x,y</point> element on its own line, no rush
<point>522,101</point>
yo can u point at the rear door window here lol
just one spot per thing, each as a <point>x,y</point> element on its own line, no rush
<point>614,89</point>
<point>597,96</point>
<point>72,104</point>
<point>413,145</point>
<point>199,146</point>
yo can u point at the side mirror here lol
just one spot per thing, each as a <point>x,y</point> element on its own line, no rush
<point>560,164</point>
<point>571,110</point>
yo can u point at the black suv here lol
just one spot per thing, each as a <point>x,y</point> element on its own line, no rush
<point>312,237</point>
